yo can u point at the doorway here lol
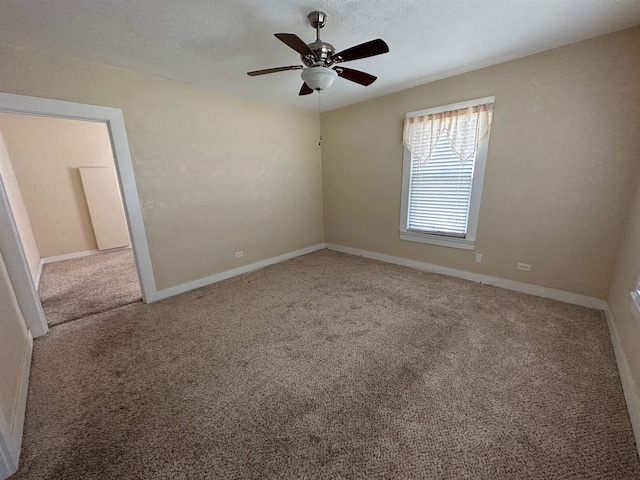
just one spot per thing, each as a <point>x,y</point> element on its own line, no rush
<point>10,244</point>
<point>59,176</point>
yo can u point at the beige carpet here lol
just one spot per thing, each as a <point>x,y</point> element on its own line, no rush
<point>84,286</point>
<point>331,366</point>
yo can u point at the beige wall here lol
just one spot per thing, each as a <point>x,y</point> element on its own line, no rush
<point>625,276</point>
<point>20,215</point>
<point>561,167</point>
<point>216,173</point>
<point>13,341</point>
<point>46,154</point>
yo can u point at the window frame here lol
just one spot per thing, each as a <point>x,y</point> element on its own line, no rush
<point>468,241</point>
<point>635,303</point>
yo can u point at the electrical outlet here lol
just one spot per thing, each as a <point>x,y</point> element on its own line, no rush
<point>478,258</point>
<point>525,267</point>
<point>239,254</point>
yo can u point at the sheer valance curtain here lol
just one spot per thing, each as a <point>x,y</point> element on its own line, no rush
<point>464,129</point>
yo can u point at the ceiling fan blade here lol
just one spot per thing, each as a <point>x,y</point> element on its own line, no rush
<point>295,42</point>
<point>364,50</point>
<point>274,70</point>
<point>356,76</point>
<point>305,89</point>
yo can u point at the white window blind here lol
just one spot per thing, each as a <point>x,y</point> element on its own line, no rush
<point>440,191</point>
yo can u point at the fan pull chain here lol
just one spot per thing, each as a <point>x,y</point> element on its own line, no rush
<point>319,112</point>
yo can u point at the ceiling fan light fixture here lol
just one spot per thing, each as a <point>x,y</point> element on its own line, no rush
<point>319,77</point>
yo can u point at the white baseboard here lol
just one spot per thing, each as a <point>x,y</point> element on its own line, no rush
<point>11,432</point>
<point>84,253</point>
<point>203,282</point>
<point>630,394</point>
<point>561,295</point>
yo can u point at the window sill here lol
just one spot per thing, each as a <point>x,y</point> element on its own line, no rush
<point>635,307</point>
<point>441,240</point>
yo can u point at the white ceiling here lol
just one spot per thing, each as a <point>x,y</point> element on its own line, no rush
<point>214,43</point>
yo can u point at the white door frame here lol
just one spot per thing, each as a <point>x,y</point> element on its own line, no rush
<point>18,269</point>
<point>10,245</point>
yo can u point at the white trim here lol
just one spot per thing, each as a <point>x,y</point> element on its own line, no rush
<point>114,121</point>
<point>468,242</point>
<point>561,295</point>
<point>202,282</point>
<point>18,269</point>
<point>8,466</point>
<point>635,307</point>
<point>21,404</point>
<point>443,241</point>
<point>630,394</point>
<point>38,275</point>
<point>84,253</point>
<point>11,434</point>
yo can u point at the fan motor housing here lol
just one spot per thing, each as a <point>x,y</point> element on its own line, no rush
<point>323,50</point>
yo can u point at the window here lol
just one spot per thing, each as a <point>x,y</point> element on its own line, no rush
<point>443,169</point>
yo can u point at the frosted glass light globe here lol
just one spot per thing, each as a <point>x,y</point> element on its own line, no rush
<point>319,78</point>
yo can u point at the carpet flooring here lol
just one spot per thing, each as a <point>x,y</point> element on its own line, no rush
<point>79,287</point>
<point>330,366</point>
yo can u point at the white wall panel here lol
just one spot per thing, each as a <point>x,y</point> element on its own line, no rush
<point>105,207</point>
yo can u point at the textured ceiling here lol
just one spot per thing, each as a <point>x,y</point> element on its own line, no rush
<point>214,43</point>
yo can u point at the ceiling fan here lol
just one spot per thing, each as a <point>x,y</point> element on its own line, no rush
<point>321,60</point>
